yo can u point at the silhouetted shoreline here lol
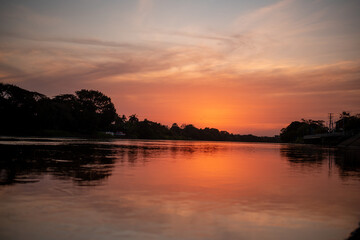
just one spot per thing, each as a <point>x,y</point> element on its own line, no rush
<point>91,114</point>
<point>345,133</point>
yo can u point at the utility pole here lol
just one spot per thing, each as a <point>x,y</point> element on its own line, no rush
<point>331,124</point>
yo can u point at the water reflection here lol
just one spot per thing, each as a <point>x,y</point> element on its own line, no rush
<point>348,162</point>
<point>85,164</point>
<point>303,154</point>
<point>312,158</point>
<point>91,163</point>
<point>177,190</point>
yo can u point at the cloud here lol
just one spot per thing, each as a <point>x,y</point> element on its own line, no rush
<point>7,71</point>
<point>309,33</point>
<point>260,14</point>
<point>237,38</point>
<point>96,42</point>
<point>183,85</point>
<point>223,43</point>
<point>80,41</point>
<point>172,63</point>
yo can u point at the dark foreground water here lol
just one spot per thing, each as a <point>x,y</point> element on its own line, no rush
<point>75,189</point>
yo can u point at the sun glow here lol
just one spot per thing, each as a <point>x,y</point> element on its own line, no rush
<point>211,115</point>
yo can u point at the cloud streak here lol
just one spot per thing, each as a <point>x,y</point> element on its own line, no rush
<point>80,41</point>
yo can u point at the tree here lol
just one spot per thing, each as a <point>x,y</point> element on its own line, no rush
<point>19,109</point>
<point>297,130</point>
<point>175,130</point>
<point>64,112</point>
<point>97,112</point>
<point>191,132</point>
<point>348,122</point>
<point>133,119</point>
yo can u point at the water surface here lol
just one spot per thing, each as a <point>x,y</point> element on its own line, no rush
<point>79,189</point>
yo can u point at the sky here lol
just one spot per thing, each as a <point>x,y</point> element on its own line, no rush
<point>248,67</point>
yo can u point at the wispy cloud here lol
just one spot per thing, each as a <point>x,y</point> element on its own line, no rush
<point>264,13</point>
<point>8,72</point>
<point>81,41</point>
<point>229,43</point>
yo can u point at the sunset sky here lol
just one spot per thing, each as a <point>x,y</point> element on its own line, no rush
<point>241,66</point>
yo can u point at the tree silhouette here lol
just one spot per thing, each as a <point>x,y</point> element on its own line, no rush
<point>348,123</point>
<point>96,110</point>
<point>297,130</point>
<point>32,113</point>
<point>86,113</point>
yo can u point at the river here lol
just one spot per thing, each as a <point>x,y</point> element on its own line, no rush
<point>138,189</point>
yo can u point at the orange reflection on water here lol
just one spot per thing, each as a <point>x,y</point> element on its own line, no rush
<point>247,184</point>
<point>195,190</point>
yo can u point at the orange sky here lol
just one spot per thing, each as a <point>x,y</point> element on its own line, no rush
<point>245,67</point>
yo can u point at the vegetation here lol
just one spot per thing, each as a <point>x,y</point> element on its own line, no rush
<point>347,124</point>
<point>297,130</point>
<point>28,113</point>
<point>90,113</point>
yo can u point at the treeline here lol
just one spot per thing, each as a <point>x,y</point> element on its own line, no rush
<point>90,113</point>
<point>347,124</point>
<point>151,130</point>
<point>31,113</point>
<point>296,130</point>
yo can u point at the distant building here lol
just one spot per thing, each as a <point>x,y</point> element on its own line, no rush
<point>119,134</point>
